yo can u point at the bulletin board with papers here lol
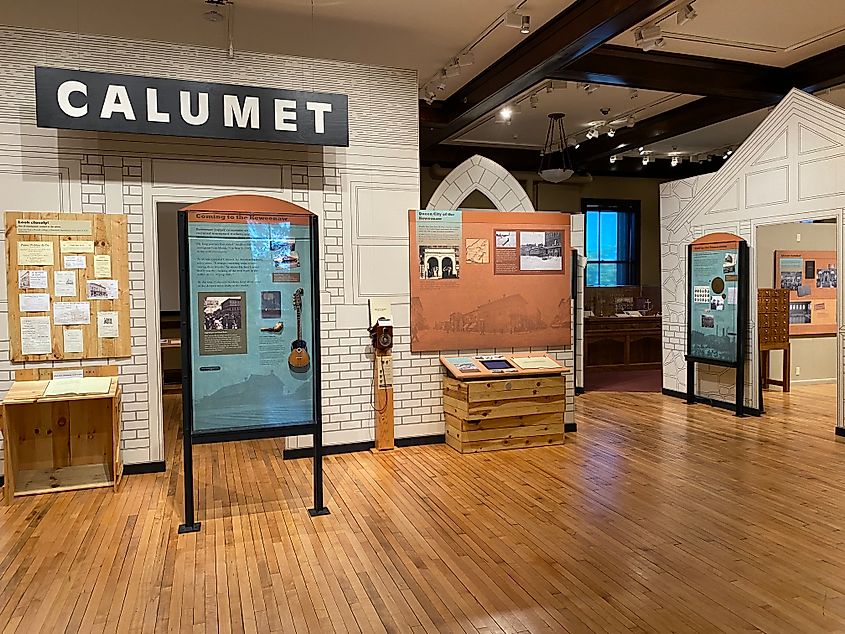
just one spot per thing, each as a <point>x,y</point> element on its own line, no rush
<point>67,278</point>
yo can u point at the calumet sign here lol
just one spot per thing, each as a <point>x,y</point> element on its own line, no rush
<point>105,102</point>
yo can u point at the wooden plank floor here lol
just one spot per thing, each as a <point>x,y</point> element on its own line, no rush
<point>655,517</point>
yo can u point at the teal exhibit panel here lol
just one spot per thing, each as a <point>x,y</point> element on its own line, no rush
<point>250,303</point>
<point>250,288</point>
<point>717,307</point>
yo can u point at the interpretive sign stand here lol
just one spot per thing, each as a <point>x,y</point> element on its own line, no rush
<point>717,308</point>
<point>250,305</point>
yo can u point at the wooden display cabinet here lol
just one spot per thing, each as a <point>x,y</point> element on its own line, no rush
<point>486,413</point>
<point>60,443</point>
<point>773,333</point>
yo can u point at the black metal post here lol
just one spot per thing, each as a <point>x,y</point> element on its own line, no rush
<point>190,525</point>
<point>742,327</point>
<point>316,364</point>
<point>690,362</point>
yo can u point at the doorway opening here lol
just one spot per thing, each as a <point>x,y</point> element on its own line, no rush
<point>797,288</point>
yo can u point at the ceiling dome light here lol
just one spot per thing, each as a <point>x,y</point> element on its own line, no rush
<point>555,162</point>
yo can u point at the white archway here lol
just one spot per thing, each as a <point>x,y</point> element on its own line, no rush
<point>488,177</point>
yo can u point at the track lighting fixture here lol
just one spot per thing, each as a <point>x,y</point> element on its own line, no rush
<point>466,59</point>
<point>517,20</point>
<point>613,159</point>
<point>641,150</point>
<point>633,93</point>
<point>441,84</point>
<point>592,133</point>
<point>577,145</point>
<point>506,113</point>
<point>649,37</point>
<point>611,133</point>
<point>631,121</point>
<point>675,161</point>
<point>646,160</point>
<point>686,14</point>
<point>525,29</point>
<point>534,100</point>
<point>453,70</point>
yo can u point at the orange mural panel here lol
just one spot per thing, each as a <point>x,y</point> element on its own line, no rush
<point>489,279</point>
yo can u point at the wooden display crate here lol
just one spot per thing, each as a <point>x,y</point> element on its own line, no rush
<point>504,413</point>
<point>60,443</point>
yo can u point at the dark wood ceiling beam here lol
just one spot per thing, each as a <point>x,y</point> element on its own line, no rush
<point>577,30</point>
<point>821,71</point>
<point>676,73</point>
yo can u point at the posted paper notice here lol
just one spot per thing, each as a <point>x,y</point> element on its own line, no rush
<point>32,279</point>
<point>35,254</point>
<point>71,313</point>
<point>77,246</point>
<point>64,283</point>
<point>102,289</point>
<point>75,262</point>
<point>102,266</point>
<point>73,342</point>
<point>34,302</point>
<point>35,335</point>
<point>107,324</point>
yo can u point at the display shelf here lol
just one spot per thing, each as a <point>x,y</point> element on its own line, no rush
<point>74,478</point>
<point>60,443</point>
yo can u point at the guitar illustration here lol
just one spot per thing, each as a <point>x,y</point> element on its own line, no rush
<point>298,359</point>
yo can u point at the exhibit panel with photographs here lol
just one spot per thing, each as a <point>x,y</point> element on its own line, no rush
<point>714,301</point>
<point>64,302</point>
<point>811,278</point>
<point>252,323</point>
<point>489,279</point>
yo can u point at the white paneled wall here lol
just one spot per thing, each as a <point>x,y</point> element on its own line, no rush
<point>789,169</point>
<point>360,193</point>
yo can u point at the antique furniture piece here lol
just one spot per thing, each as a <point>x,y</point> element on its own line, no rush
<point>773,328</point>
<point>623,342</point>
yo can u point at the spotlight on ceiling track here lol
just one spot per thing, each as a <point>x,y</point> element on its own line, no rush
<point>525,29</point>
<point>517,20</point>
<point>641,150</point>
<point>649,37</point>
<point>534,100</point>
<point>452,70</point>
<point>675,161</point>
<point>592,133</point>
<point>506,113</point>
<point>613,159</point>
<point>631,121</point>
<point>686,14</point>
<point>466,59</point>
<point>633,93</point>
<point>611,133</point>
<point>646,160</point>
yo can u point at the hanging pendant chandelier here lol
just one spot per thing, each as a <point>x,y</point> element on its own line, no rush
<point>555,162</point>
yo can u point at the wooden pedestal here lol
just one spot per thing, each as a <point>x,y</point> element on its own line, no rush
<point>504,413</point>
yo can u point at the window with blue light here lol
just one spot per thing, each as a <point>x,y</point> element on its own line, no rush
<point>612,236</point>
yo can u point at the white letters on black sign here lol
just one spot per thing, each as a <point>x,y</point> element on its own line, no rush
<point>82,100</point>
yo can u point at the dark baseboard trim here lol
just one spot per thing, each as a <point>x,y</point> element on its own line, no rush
<point>332,450</point>
<point>416,441</point>
<point>569,427</point>
<point>751,411</point>
<point>840,431</point>
<point>579,391</point>
<point>145,467</point>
